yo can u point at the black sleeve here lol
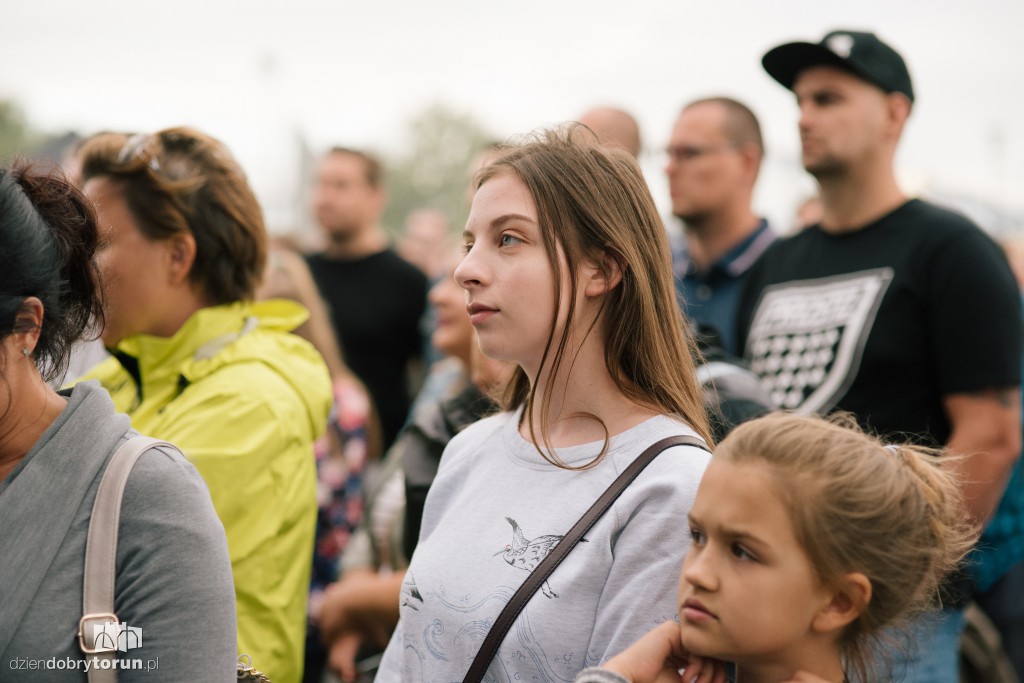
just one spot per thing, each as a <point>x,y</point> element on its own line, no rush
<point>420,463</point>
<point>415,336</point>
<point>974,313</point>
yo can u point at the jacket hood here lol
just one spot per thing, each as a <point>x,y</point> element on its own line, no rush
<point>230,334</point>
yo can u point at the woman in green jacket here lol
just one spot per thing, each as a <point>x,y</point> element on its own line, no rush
<point>196,362</point>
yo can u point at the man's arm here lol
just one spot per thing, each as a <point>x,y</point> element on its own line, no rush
<point>986,433</point>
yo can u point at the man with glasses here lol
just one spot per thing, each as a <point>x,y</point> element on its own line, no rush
<point>898,311</point>
<point>714,157</point>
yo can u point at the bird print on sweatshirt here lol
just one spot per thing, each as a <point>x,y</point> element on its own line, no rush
<point>526,554</point>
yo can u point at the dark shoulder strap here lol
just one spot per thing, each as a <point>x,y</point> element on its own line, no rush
<point>515,605</point>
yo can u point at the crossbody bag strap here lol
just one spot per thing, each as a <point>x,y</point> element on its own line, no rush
<point>515,605</point>
<point>100,560</point>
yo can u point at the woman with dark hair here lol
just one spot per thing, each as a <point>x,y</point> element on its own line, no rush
<point>197,362</point>
<point>172,572</point>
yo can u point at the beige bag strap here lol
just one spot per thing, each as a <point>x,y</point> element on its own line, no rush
<point>101,557</point>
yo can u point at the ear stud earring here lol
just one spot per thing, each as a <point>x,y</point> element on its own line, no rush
<point>25,352</point>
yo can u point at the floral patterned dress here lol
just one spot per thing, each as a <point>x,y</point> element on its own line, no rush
<point>341,457</point>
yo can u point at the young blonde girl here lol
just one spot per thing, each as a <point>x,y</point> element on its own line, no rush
<point>567,274</point>
<point>810,541</point>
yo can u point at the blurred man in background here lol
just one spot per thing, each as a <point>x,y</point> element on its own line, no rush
<point>375,298</point>
<point>714,156</point>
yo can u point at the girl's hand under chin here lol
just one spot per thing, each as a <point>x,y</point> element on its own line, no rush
<point>659,656</point>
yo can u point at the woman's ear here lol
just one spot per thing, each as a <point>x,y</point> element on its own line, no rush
<point>605,276</point>
<point>181,253</point>
<point>847,603</point>
<point>28,324</point>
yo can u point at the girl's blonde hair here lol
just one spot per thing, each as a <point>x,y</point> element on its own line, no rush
<point>593,202</point>
<point>893,513</point>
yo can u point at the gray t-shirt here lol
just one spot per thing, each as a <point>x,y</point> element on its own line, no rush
<point>173,579</point>
<point>494,512</point>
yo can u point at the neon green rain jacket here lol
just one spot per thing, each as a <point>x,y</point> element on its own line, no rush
<point>244,400</point>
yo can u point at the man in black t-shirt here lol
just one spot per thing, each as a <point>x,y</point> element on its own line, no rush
<point>375,298</point>
<point>896,310</point>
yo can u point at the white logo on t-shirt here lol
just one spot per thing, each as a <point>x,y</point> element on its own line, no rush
<point>807,337</point>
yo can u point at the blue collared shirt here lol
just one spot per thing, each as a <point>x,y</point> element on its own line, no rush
<point>712,296</point>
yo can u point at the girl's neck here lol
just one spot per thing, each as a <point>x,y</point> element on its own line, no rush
<point>575,425</point>
<point>827,666</point>
<point>579,393</point>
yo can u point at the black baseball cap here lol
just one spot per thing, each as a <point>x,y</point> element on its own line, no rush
<point>860,53</point>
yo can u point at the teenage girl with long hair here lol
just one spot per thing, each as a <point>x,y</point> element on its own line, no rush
<point>567,274</point>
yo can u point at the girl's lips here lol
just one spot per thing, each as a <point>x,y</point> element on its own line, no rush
<point>694,611</point>
<point>481,316</point>
<point>479,313</point>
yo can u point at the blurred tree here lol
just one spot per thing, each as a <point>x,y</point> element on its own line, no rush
<point>18,138</point>
<point>14,133</point>
<point>434,171</point>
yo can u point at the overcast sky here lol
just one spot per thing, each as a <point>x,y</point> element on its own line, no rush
<point>255,73</point>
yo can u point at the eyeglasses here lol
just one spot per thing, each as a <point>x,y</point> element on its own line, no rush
<point>684,153</point>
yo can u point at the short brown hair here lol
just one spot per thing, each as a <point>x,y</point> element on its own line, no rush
<point>740,126</point>
<point>892,513</point>
<point>179,181</point>
<point>372,166</point>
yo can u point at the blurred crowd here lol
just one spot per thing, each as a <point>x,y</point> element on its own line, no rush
<point>315,392</point>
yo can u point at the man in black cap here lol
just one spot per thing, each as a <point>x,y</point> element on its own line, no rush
<point>891,308</point>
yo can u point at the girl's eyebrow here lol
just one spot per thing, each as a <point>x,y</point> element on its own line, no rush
<point>728,532</point>
<point>740,535</point>
<point>500,221</point>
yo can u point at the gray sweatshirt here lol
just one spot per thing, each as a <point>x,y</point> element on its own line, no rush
<point>496,509</point>
<point>595,675</point>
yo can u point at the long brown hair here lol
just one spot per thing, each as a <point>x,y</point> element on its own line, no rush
<point>593,202</point>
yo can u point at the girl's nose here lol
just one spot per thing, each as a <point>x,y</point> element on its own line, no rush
<point>469,273</point>
<point>698,569</point>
